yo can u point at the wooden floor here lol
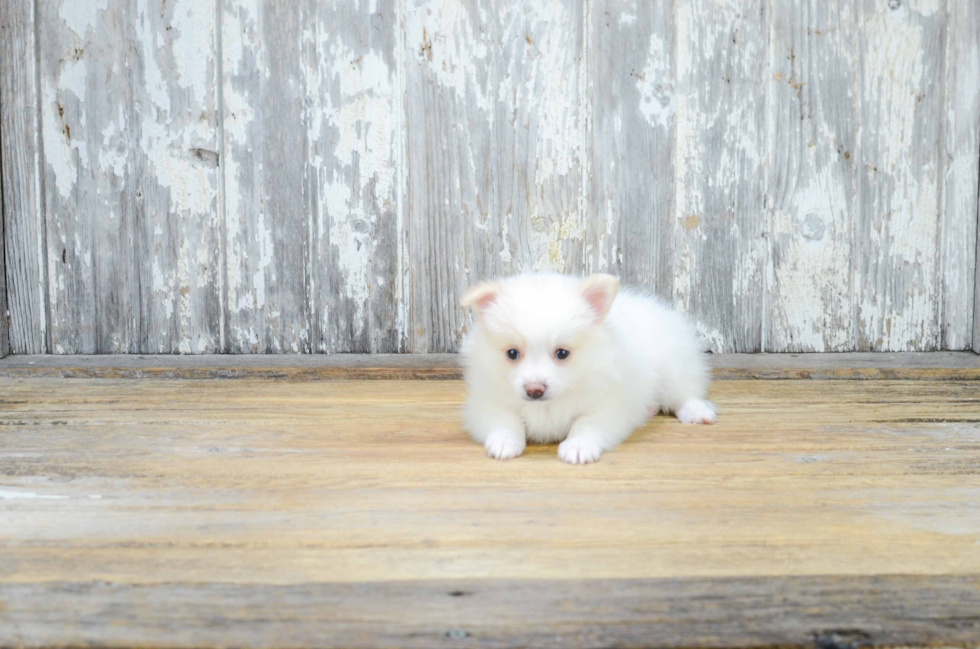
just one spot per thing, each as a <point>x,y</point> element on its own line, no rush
<point>268,513</point>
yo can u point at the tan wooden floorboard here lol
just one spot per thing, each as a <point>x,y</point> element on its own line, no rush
<point>256,483</point>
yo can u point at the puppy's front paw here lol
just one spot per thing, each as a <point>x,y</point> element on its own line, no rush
<point>696,411</point>
<point>579,450</point>
<point>504,446</point>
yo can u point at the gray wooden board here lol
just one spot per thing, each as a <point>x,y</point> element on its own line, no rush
<point>353,120</point>
<point>719,245</point>
<point>452,215</point>
<point>21,183</point>
<point>87,118</point>
<point>268,246</point>
<point>497,139</point>
<point>129,129</point>
<point>327,176</point>
<point>4,340</point>
<point>899,170</point>
<point>630,229</point>
<point>811,175</point>
<point>826,612</point>
<point>960,176</point>
<point>312,126</point>
<point>853,365</point>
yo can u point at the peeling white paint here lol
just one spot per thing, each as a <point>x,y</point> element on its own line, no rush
<point>656,86</point>
<point>713,339</point>
<point>81,15</point>
<point>194,23</point>
<point>442,38</point>
<point>239,32</point>
<point>518,81</point>
<point>65,149</point>
<point>899,313</point>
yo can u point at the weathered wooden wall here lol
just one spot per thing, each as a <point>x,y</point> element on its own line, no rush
<point>4,338</point>
<point>192,176</point>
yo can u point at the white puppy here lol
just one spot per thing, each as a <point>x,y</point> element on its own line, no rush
<point>561,359</point>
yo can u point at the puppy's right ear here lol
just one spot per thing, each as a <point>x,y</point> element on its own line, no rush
<point>481,296</point>
<point>599,291</point>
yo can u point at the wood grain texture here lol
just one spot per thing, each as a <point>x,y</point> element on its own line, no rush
<point>130,145</point>
<point>897,236</point>
<point>632,93</point>
<point>20,164</point>
<point>312,124</point>
<point>327,176</point>
<point>830,612</point>
<point>452,216</point>
<point>811,175</point>
<point>262,511</point>
<point>495,102</point>
<point>4,321</point>
<point>961,173</point>
<point>177,173</point>
<point>87,119</point>
<point>916,366</point>
<point>267,217</point>
<point>719,224</point>
<point>542,128</point>
<point>352,112</point>
<point>373,480</point>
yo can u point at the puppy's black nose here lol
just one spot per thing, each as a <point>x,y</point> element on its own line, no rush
<point>534,391</point>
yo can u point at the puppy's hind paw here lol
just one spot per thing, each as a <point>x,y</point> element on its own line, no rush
<point>696,411</point>
<point>579,451</point>
<point>504,446</point>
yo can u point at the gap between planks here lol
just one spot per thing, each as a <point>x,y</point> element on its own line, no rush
<point>926,366</point>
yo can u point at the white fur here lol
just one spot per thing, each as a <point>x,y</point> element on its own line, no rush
<point>638,358</point>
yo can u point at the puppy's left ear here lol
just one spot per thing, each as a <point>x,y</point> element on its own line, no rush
<point>600,291</point>
<point>481,296</point>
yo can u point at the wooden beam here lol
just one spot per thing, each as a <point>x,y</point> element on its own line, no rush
<point>20,158</point>
<point>961,366</point>
<point>4,338</point>
<point>960,175</point>
<point>826,612</point>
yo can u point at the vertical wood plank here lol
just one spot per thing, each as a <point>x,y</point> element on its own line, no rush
<point>899,170</point>
<point>352,114</point>
<point>452,212</point>
<point>130,142</point>
<point>812,115</point>
<point>268,222</point>
<point>20,159</point>
<point>542,140</point>
<point>961,173</point>
<point>719,247</point>
<point>497,140</point>
<point>4,339</point>
<point>976,296</point>
<point>176,167</point>
<point>632,148</point>
<point>91,188</point>
<point>311,131</point>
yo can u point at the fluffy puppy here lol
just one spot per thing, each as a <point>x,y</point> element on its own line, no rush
<point>554,358</point>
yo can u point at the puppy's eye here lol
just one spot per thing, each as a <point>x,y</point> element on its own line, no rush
<point>513,354</point>
<point>562,354</point>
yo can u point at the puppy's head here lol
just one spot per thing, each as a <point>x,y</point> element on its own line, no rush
<point>539,333</point>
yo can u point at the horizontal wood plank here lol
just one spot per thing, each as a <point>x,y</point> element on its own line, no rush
<point>353,513</point>
<point>959,366</point>
<point>825,612</point>
<point>263,513</point>
<point>293,482</point>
